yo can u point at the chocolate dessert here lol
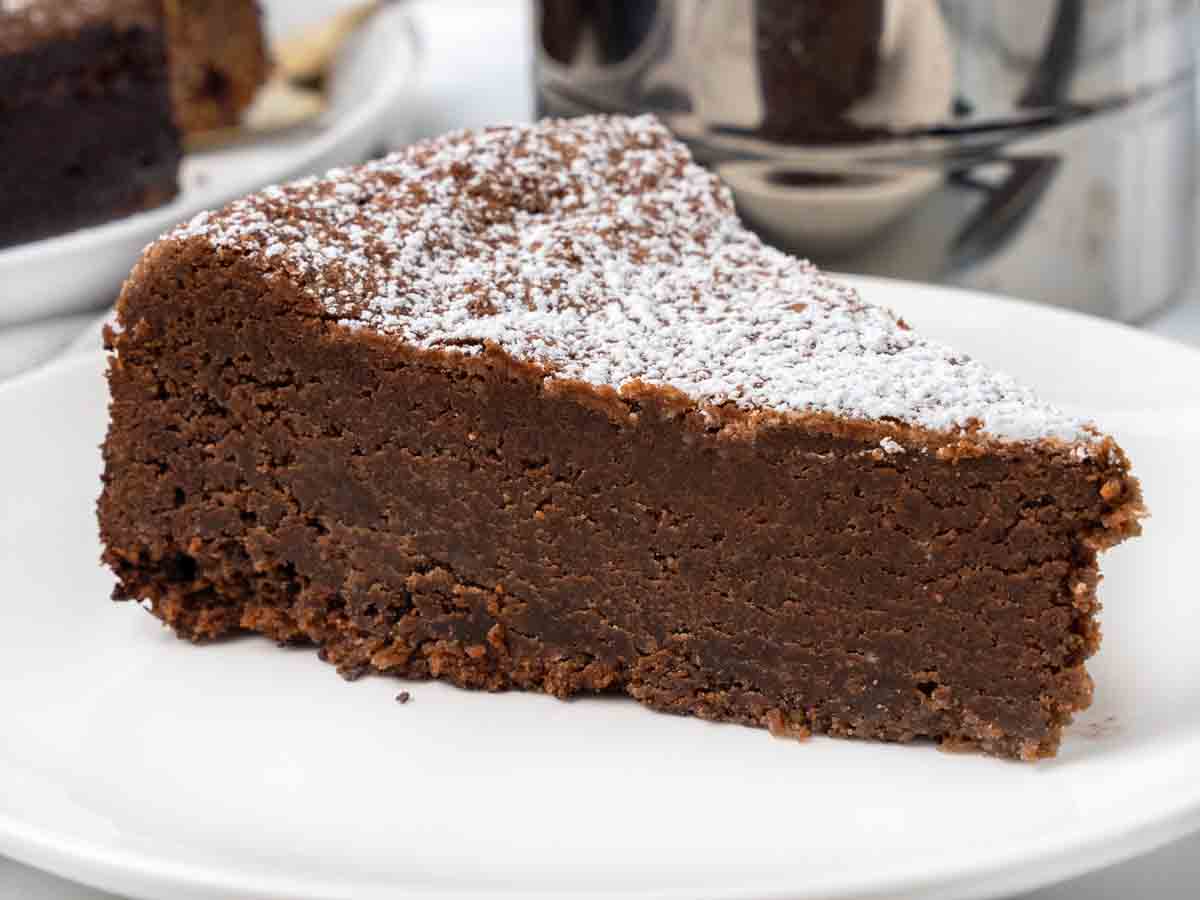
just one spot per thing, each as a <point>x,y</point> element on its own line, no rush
<point>218,60</point>
<point>530,408</point>
<point>86,130</point>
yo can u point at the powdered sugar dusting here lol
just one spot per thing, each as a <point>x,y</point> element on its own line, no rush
<point>597,248</point>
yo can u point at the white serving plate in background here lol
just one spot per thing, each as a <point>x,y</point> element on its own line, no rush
<point>84,269</point>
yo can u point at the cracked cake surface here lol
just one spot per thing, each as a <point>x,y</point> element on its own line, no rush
<point>529,408</point>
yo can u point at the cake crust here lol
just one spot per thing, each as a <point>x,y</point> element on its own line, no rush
<point>316,435</point>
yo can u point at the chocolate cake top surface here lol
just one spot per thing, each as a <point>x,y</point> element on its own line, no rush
<point>599,250</point>
<point>27,23</point>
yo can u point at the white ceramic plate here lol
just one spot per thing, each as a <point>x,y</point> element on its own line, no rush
<point>141,764</point>
<point>84,269</point>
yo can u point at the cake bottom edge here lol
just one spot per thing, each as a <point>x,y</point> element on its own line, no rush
<point>479,656</point>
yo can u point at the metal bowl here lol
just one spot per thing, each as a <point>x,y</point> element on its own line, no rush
<point>1042,148</point>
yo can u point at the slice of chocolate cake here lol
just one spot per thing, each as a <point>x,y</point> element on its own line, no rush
<point>86,129</point>
<point>530,408</point>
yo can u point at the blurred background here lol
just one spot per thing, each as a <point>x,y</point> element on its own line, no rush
<point>1042,149</point>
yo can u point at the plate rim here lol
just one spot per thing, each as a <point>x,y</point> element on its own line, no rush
<point>1027,865</point>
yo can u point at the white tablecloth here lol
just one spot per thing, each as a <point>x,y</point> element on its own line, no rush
<point>478,71</point>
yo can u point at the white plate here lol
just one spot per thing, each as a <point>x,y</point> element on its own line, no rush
<point>84,269</point>
<point>141,764</point>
